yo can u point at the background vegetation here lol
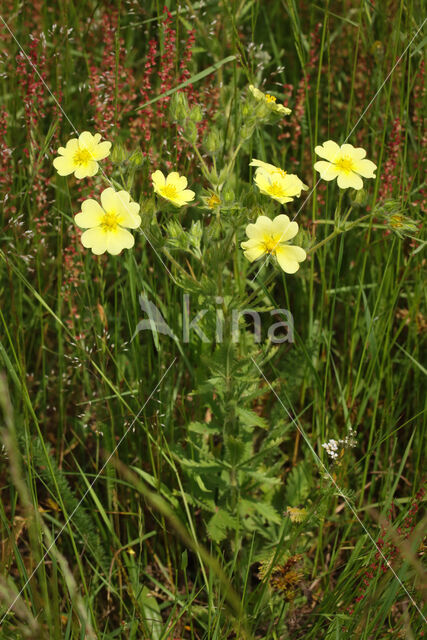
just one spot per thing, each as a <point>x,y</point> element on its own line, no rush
<point>153,488</point>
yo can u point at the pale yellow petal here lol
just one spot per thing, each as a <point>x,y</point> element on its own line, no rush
<point>262,225</point>
<point>365,168</point>
<point>187,195</point>
<point>355,153</point>
<point>95,239</point>
<point>329,150</point>
<point>87,171</point>
<point>181,183</point>
<point>86,140</point>
<point>292,184</point>
<point>254,251</point>
<point>70,148</point>
<point>109,200</point>
<point>101,151</point>
<point>286,228</point>
<point>127,210</point>
<point>172,178</point>
<point>262,181</point>
<point>263,165</point>
<point>129,219</point>
<point>158,179</point>
<point>118,240</point>
<point>349,180</point>
<point>91,214</point>
<point>289,257</point>
<point>134,222</point>
<point>327,170</point>
<point>64,165</point>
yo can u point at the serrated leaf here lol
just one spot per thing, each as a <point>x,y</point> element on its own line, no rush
<point>298,484</point>
<point>203,427</point>
<point>236,450</point>
<point>219,524</point>
<point>263,509</point>
<point>251,419</point>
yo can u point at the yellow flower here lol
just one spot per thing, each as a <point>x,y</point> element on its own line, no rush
<point>269,100</point>
<point>345,162</point>
<point>81,154</point>
<point>213,201</point>
<point>269,168</point>
<point>269,237</point>
<point>276,183</point>
<point>172,188</point>
<point>105,224</point>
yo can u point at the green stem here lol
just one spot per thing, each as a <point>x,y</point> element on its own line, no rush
<point>234,156</point>
<point>203,163</point>
<point>338,231</point>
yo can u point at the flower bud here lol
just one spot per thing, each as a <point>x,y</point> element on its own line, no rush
<point>360,199</point>
<point>196,114</point>
<point>228,195</point>
<point>190,131</point>
<point>118,154</point>
<point>246,131</point>
<point>178,107</point>
<point>247,110</point>
<point>136,158</point>
<point>212,141</point>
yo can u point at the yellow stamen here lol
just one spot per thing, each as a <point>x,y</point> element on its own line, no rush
<point>276,189</point>
<point>271,243</point>
<point>82,157</point>
<point>213,201</point>
<point>270,98</point>
<point>169,191</point>
<point>345,163</point>
<point>110,221</point>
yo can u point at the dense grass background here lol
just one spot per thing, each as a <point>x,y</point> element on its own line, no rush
<point>219,515</point>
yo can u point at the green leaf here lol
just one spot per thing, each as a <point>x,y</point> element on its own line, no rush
<point>236,450</point>
<point>219,524</point>
<point>299,484</point>
<point>203,427</point>
<point>267,511</point>
<point>192,80</point>
<point>152,615</point>
<point>251,419</point>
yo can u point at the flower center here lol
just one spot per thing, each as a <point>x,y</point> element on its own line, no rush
<point>110,221</point>
<point>169,191</point>
<point>270,98</point>
<point>345,163</point>
<point>82,157</point>
<point>276,189</point>
<point>271,243</point>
